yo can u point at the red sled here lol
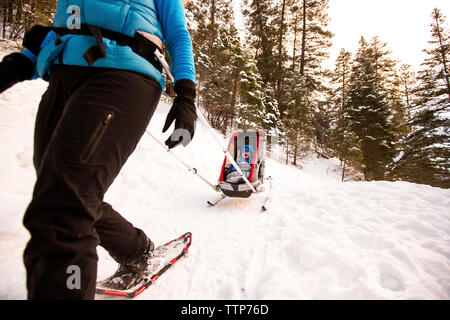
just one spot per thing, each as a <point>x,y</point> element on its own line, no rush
<point>248,149</point>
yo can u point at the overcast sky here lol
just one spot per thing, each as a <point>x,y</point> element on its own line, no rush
<point>403,24</point>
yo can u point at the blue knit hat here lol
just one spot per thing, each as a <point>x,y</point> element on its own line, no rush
<point>247,148</point>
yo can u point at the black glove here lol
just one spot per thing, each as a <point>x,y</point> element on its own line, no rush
<point>13,69</point>
<point>183,112</point>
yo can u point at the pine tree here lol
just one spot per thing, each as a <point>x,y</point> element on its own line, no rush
<point>260,15</point>
<point>298,123</point>
<point>407,79</point>
<point>266,30</point>
<point>250,110</point>
<point>397,99</point>
<point>310,44</point>
<point>368,112</point>
<point>340,78</point>
<point>322,126</point>
<point>269,27</point>
<point>426,154</point>
<point>315,41</point>
<point>438,56</point>
<point>218,58</point>
<point>344,141</point>
<point>281,73</point>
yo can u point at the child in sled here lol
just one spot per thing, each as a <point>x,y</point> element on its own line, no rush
<point>244,162</point>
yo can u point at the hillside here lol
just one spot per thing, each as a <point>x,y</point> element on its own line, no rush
<point>321,239</point>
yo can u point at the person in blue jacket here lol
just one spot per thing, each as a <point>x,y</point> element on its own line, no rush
<point>104,86</point>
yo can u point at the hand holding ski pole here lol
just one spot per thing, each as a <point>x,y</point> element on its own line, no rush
<point>183,112</point>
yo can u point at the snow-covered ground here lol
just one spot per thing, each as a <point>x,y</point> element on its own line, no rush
<point>321,239</point>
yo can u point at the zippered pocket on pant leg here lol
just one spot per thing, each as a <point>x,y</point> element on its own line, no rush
<point>94,141</point>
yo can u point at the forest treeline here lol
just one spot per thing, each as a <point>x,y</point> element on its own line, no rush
<point>377,115</point>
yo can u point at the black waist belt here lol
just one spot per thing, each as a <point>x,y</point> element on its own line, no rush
<point>139,43</point>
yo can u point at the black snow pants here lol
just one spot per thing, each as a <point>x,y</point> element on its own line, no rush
<point>88,123</point>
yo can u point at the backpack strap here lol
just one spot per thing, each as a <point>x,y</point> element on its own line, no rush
<point>142,43</point>
<point>95,52</point>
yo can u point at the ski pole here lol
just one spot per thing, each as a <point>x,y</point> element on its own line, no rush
<point>161,59</point>
<point>191,169</point>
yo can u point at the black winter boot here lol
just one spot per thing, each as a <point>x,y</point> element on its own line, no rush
<point>129,274</point>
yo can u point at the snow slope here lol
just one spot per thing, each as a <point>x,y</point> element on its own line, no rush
<point>321,239</point>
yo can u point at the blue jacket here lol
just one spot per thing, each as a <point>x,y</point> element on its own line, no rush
<point>164,19</point>
<point>241,160</point>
